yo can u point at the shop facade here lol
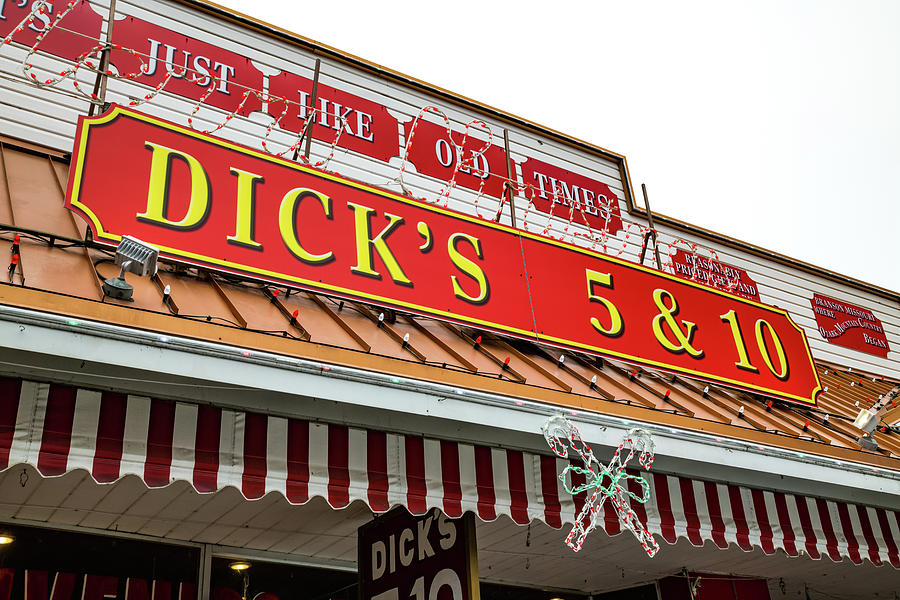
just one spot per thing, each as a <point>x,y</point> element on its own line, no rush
<point>235,414</point>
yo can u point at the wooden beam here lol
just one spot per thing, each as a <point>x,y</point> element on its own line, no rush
<point>161,286</point>
<point>438,341</point>
<point>284,310</point>
<point>480,347</point>
<point>388,329</point>
<point>234,310</point>
<point>533,364</point>
<point>340,322</point>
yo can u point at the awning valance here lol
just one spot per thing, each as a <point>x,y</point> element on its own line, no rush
<point>58,428</point>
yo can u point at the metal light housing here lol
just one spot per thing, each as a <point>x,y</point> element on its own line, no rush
<point>867,420</point>
<point>136,257</point>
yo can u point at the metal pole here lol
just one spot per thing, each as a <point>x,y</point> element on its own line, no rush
<point>100,83</point>
<point>509,179</point>
<point>313,100</point>
<point>204,573</point>
<point>687,578</point>
<point>652,226</point>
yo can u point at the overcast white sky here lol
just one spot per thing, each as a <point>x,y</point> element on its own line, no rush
<point>775,122</point>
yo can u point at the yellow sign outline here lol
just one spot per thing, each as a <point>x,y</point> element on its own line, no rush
<point>83,132</point>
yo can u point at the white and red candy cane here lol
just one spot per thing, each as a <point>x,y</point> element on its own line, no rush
<point>41,7</point>
<point>557,429</point>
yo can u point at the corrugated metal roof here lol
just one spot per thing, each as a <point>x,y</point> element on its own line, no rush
<point>53,259</point>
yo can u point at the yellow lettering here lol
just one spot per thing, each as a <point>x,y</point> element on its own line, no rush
<point>158,191</point>
<point>782,373</point>
<point>684,339</point>
<point>425,232</point>
<point>469,268</point>
<point>743,361</point>
<point>365,243</point>
<point>245,211</point>
<point>616,325</point>
<point>287,224</point>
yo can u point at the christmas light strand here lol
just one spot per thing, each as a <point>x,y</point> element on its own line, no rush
<point>41,7</point>
<point>603,483</point>
<point>575,207</point>
<point>575,214</point>
<point>572,222</point>
<point>460,159</point>
<point>695,249</point>
<point>308,123</point>
<point>85,60</point>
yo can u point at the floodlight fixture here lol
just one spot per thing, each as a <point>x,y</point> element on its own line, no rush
<point>136,256</point>
<point>133,256</point>
<point>867,419</point>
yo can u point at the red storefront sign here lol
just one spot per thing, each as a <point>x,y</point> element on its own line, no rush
<point>83,25</point>
<point>195,66</point>
<point>570,196</point>
<point>365,126</point>
<point>849,326</point>
<point>481,167</point>
<point>715,274</point>
<point>432,556</point>
<point>213,203</point>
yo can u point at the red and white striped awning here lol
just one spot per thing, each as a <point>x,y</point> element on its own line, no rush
<point>57,429</point>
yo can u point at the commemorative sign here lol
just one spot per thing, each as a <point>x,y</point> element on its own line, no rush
<point>850,326</point>
<point>215,204</point>
<point>431,557</point>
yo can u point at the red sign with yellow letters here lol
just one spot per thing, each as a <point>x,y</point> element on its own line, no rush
<point>216,204</point>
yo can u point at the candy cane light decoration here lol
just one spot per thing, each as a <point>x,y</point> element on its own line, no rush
<point>563,437</point>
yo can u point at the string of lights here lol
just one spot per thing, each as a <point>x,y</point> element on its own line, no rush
<point>573,226</point>
<point>460,161</point>
<point>561,435</point>
<point>173,71</point>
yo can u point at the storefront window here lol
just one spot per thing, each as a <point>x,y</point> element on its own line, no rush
<point>494,591</point>
<point>234,579</point>
<point>43,564</point>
